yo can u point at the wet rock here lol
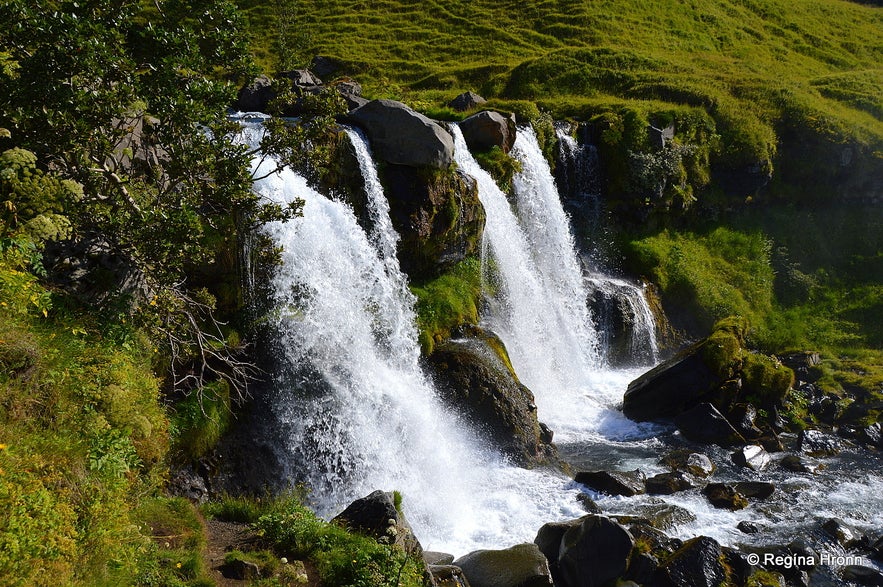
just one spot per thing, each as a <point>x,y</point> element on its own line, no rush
<point>641,569</point>
<point>523,565</point>
<point>255,95</point>
<point>588,504</point>
<point>689,378</point>
<point>771,442</point>
<point>655,539</point>
<point>768,579</point>
<point>474,378</point>
<point>375,515</point>
<point>838,530</point>
<point>431,557</point>
<point>696,464</point>
<point>877,550</point>
<point>548,540</point>
<point>627,483</point>
<point>546,434</point>
<point>439,217</point>
<point>724,497</point>
<point>739,565</point>
<point>752,457</point>
<point>594,553</point>
<point>466,101</point>
<point>742,417</point>
<point>868,435</point>
<point>187,482</point>
<point>862,575</point>
<point>664,516</point>
<point>818,444</point>
<point>696,564</point>
<point>401,136</point>
<point>800,464</point>
<point>704,423</point>
<point>755,489</point>
<point>447,576</point>
<point>488,129</point>
<point>747,527</point>
<point>668,483</point>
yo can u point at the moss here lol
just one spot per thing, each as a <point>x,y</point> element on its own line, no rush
<point>448,302</point>
<point>201,420</point>
<point>722,353</point>
<point>765,380</point>
<point>501,166</point>
<point>761,578</point>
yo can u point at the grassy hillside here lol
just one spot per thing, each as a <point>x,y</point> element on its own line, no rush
<point>749,62</point>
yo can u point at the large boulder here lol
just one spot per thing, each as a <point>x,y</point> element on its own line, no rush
<point>376,515</point>
<point>439,217</point>
<point>696,564</point>
<point>466,101</point>
<point>752,457</point>
<point>489,129</point>
<point>723,496</point>
<point>474,376</point>
<point>626,483</point>
<point>255,95</point>
<point>686,461</point>
<point>447,576</point>
<point>668,483</point>
<point>522,565</point>
<point>703,423</point>
<point>401,136</point>
<point>691,377</point>
<point>594,553</point>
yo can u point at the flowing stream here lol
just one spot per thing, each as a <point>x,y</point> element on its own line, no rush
<point>358,414</point>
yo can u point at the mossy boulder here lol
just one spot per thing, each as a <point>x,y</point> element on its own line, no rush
<point>474,376</point>
<point>438,215</point>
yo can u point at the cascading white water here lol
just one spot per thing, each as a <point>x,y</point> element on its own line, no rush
<point>356,411</point>
<point>622,312</point>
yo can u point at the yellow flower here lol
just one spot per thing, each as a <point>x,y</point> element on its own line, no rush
<point>3,446</point>
<point>178,565</point>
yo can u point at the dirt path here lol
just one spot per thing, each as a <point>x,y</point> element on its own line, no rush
<point>222,537</point>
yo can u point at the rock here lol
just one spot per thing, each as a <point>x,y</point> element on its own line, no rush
<point>839,531</point>
<point>868,435</point>
<point>800,464</point>
<point>752,457</point>
<point>549,536</point>
<point>696,564</point>
<point>689,378</point>
<point>655,539</point>
<point>747,527</point>
<point>768,579</point>
<point>351,92</point>
<point>186,482</point>
<point>642,567</point>
<point>488,129</point>
<point>862,575</point>
<point>241,570</point>
<point>724,497</point>
<point>817,444</point>
<point>325,67</point>
<point>771,443</point>
<point>546,433</point>
<point>401,136</point>
<point>440,219</point>
<point>659,137</point>
<point>375,515</point>
<point>588,504</point>
<point>255,96</point>
<point>694,463</point>
<point>703,423</point>
<point>466,101</point>
<point>628,483</point>
<point>431,557</point>
<point>742,417</point>
<point>755,489</point>
<point>594,553</point>
<point>522,565</point>
<point>448,576</point>
<point>472,377</point>
<point>739,565</point>
<point>302,79</point>
<point>877,550</point>
<point>668,483</point>
<point>664,516</point>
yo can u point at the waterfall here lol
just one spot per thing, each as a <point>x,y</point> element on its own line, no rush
<point>547,336</point>
<point>626,323</point>
<point>355,411</point>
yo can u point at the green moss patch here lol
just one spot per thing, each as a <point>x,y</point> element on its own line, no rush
<point>448,302</point>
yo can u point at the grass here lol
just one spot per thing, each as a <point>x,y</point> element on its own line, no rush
<point>447,302</point>
<point>753,65</point>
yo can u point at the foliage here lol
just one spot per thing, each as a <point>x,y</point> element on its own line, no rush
<point>500,165</point>
<point>341,558</point>
<point>200,420</point>
<point>447,302</point>
<point>175,553</point>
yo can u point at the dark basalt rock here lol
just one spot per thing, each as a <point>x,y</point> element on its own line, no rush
<point>724,497</point>
<point>489,129</point>
<point>839,531</point>
<point>696,564</point>
<point>588,504</point>
<point>241,570</point>
<point>800,464</point>
<point>447,576</point>
<point>523,565</point>
<point>818,444</point>
<point>472,377</point>
<point>668,483</point>
<point>862,575</point>
<point>747,527</point>
<point>703,423</point>
<point>440,218</point>
<point>742,416</point>
<point>466,101</point>
<point>755,489</point>
<point>752,457</point>
<point>594,553</point>
<point>326,67</point>
<point>662,516</point>
<point>868,435</point>
<point>256,95</point>
<point>431,557</point>
<point>642,568</point>
<point>375,515</point>
<point>401,136</point>
<point>628,483</point>
<point>686,461</point>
